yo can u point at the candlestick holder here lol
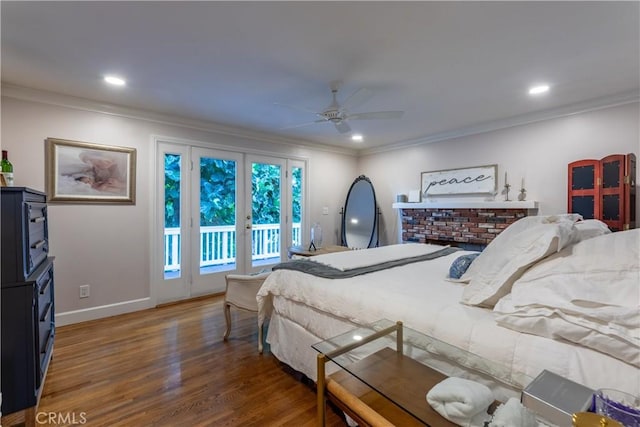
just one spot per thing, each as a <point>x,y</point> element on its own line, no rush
<point>523,195</point>
<point>506,192</point>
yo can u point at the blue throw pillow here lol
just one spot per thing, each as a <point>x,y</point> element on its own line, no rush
<point>460,265</point>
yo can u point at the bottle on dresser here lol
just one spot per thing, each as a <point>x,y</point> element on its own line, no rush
<point>7,169</point>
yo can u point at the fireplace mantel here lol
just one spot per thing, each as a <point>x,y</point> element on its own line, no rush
<point>443,204</point>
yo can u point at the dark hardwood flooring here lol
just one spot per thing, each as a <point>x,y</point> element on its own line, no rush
<point>169,366</point>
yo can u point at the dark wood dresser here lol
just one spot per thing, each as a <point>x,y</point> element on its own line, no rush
<point>28,322</point>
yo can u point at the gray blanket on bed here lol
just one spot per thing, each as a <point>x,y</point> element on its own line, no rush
<point>328,272</point>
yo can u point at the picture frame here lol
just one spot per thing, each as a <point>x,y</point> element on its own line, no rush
<point>463,181</point>
<point>83,172</point>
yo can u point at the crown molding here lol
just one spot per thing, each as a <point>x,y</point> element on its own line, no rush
<point>68,101</point>
<point>53,98</point>
<point>616,100</point>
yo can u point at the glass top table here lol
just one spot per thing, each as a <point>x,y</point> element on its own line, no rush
<point>398,365</point>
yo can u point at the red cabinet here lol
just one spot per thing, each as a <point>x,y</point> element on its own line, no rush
<point>604,189</point>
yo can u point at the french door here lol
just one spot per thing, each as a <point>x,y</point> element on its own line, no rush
<point>222,212</point>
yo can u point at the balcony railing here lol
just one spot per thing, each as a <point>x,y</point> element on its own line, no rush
<point>218,244</point>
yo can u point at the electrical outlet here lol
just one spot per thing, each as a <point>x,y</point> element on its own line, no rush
<point>84,291</point>
<point>325,210</point>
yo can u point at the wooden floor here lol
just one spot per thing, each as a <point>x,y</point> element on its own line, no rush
<point>169,366</point>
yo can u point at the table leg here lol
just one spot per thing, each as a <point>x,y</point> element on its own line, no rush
<point>320,389</point>
<point>399,338</point>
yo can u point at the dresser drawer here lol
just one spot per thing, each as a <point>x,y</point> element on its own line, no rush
<point>44,321</point>
<point>36,245</point>
<point>44,289</point>
<point>44,326</point>
<point>46,332</point>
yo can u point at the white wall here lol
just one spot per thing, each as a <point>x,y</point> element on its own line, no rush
<point>539,152</point>
<point>108,246</point>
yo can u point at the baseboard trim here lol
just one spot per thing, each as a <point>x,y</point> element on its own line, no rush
<point>93,313</point>
<point>190,299</point>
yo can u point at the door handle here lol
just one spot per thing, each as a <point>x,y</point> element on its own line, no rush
<point>248,226</point>
<point>248,217</point>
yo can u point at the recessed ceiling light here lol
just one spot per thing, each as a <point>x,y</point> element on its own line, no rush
<point>113,80</point>
<point>357,137</point>
<point>537,90</point>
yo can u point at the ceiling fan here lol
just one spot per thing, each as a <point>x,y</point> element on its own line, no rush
<point>338,114</point>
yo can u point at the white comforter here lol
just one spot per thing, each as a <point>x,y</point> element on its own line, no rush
<point>420,296</point>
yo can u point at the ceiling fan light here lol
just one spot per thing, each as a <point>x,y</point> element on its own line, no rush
<point>539,89</point>
<point>114,80</point>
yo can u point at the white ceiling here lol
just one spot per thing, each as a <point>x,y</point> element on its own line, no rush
<point>453,67</point>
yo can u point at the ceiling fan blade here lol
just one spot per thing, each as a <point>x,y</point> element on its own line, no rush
<point>343,127</point>
<point>375,115</point>
<point>357,98</point>
<point>303,124</point>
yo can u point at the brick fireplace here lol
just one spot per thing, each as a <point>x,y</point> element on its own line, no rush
<point>468,227</point>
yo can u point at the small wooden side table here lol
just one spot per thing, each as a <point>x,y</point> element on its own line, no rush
<point>304,250</point>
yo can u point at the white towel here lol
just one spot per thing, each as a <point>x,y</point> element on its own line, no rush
<point>460,400</point>
<point>513,414</point>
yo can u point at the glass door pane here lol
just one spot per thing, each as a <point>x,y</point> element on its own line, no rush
<point>266,211</point>
<point>171,245</point>
<point>216,192</point>
<point>217,215</point>
<point>297,205</point>
<point>172,200</point>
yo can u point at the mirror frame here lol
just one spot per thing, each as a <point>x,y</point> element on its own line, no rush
<point>374,229</point>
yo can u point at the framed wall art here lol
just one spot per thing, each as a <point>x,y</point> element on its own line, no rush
<point>473,180</point>
<point>81,172</point>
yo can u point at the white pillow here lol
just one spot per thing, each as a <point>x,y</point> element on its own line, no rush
<point>589,228</point>
<point>588,293</point>
<point>505,238</point>
<point>498,266</point>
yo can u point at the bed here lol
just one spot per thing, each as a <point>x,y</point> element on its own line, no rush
<point>552,292</point>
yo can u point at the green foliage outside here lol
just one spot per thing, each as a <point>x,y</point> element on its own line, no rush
<point>265,193</point>
<point>217,192</point>
<point>297,195</point>
<point>171,190</point>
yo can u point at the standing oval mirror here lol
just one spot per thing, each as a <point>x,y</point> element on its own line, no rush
<point>360,215</point>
